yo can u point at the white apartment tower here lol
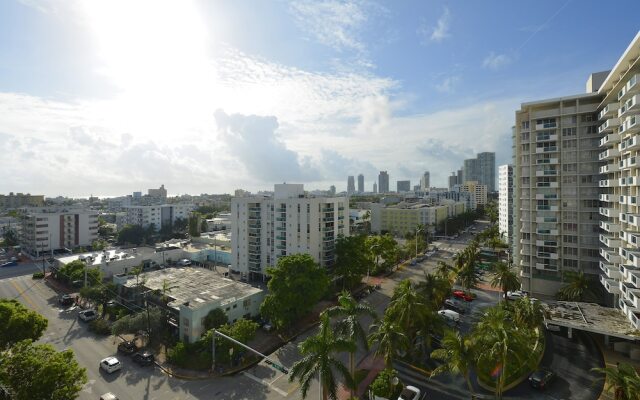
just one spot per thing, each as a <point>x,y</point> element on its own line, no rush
<point>44,230</point>
<point>619,125</point>
<point>291,222</point>
<point>505,203</point>
<point>556,190</point>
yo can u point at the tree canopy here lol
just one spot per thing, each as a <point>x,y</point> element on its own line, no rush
<point>297,283</point>
<point>38,371</point>
<point>136,234</point>
<point>215,319</point>
<point>74,271</point>
<point>352,261</point>
<point>138,322</point>
<point>19,323</point>
<point>382,248</point>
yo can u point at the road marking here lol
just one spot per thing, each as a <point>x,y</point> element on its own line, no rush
<point>266,383</point>
<point>24,295</point>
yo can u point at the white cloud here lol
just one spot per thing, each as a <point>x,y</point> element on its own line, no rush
<point>448,84</point>
<point>496,61</point>
<point>437,33</point>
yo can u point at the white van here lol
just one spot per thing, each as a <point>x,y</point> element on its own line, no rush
<point>450,315</point>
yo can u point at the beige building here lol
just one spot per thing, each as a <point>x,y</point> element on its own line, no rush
<point>19,200</point>
<point>403,218</point>
<point>478,192</point>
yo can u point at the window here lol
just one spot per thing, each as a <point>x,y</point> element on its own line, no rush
<point>568,131</point>
<point>525,124</point>
<point>589,118</point>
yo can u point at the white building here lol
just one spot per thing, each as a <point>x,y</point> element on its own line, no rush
<point>264,229</point>
<point>619,129</point>
<point>44,230</point>
<point>505,203</point>
<point>157,215</point>
<point>477,191</point>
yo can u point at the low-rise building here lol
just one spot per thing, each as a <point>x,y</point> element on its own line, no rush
<point>19,200</point>
<point>195,292</point>
<point>158,215</point>
<point>403,218</point>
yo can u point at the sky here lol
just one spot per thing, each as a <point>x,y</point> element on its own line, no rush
<point>109,97</point>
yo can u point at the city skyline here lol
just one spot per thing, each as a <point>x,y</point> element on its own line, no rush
<point>292,99</point>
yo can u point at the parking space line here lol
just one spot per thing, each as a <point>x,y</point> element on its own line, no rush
<point>266,383</point>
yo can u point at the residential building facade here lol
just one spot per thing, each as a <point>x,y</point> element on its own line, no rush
<point>403,218</point>
<point>477,191</point>
<point>505,203</point>
<point>159,215</point>
<point>44,230</point>
<point>290,222</point>
<point>19,200</point>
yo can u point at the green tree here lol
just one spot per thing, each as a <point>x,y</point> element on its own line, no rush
<point>131,234</point>
<point>434,289</point>
<point>352,261</point>
<point>408,308</point>
<point>577,287</point>
<point>318,359</point>
<point>194,224</point>
<point>140,321</point>
<point>623,380</point>
<point>215,319</point>
<point>527,313</point>
<point>383,385</point>
<point>101,294</point>
<point>38,371</point>
<point>297,283</point>
<point>167,287</point>
<point>505,278</point>
<point>74,271</point>
<point>19,323</point>
<point>446,271</point>
<point>390,339</point>
<point>243,330</point>
<point>457,355</point>
<point>10,237</point>
<point>349,327</point>
<point>385,248</point>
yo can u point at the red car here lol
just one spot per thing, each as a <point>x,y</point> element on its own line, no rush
<point>462,295</point>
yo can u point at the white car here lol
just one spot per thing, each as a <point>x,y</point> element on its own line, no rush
<point>109,396</point>
<point>409,393</point>
<point>110,365</point>
<point>450,315</point>
<point>515,295</point>
<point>87,315</point>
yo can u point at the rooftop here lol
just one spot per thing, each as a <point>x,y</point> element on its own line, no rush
<point>591,318</point>
<point>195,287</point>
<point>95,258</point>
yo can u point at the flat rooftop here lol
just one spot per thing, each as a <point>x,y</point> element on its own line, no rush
<point>197,286</point>
<point>591,318</point>
<point>108,255</point>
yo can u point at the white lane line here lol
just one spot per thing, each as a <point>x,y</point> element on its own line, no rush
<point>266,383</point>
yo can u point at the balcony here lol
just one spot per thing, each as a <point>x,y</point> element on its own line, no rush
<point>628,181</point>
<point>607,197</point>
<point>610,226</point>
<point>609,241</point>
<point>546,196</point>
<point>609,168</point>
<point>610,256</point>
<point>547,243</point>
<point>256,209</point>
<point>610,285</point>
<point>632,238</point>
<point>547,161</point>
<point>546,149</point>
<point>608,111</point>
<point>628,162</point>
<point>629,106</point>
<point>631,125</point>
<point>609,125</point>
<point>608,183</point>
<point>633,257</point>
<point>546,267</point>
<point>609,212</point>
<point>544,254</point>
<point>628,144</point>
<point>546,219</point>
<point>547,184</point>
<point>542,231</point>
<point>547,172</point>
<point>632,86</point>
<point>627,271</point>
<point>545,137</point>
<point>608,154</point>
<point>631,219</point>
<point>610,139</point>
<point>610,271</point>
<point>629,200</point>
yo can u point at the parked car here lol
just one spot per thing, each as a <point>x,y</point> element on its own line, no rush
<point>87,315</point>
<point>109,396</point>
<point>450,315</point>
<point>541,378</point>
<point>515,295</point>
<point>143,358</point>
<point>110,365</point>
<point>409,393</point>
<point>453,305</point>
<point>66,299</point>
<point>9,264</point>
<point>127,347</point>
<point>459,294</point>
<point>184,262</point>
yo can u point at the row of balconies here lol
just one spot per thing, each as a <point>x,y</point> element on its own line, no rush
<point>631,87</point>
<point>630,105</point>
<point>609,241</point>
<point>608,111</point>
<point>610,139</point>
<point>608,183</point>
<point>628,162</point>
<point>609,125</point>
<point>609,168</point>
<point>628,181</point>
<point>608,154</point>
<point>628,144</point>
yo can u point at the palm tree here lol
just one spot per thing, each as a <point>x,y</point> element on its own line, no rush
<point>505,278</point>
<point>528,313</point>
<point>166,289</point>
<point>457,355</point>
<point>435,289</point>
<point>390,339</point>
<point>407,308</point>
<point>318,359</point>
<point>623,379</point>
<point>349,327</point>
<point>446,271</point>
<point>577,286</point>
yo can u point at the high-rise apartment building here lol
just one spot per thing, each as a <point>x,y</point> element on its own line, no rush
<point>505,203</point>
<point>375,187</point>
<point>477,191</point>
<point>424,182</point>
<point>453,180</point>
<point>470,170</point>
<point>351,185</point>
<point>44,230</point>
<point>383,182</point>
<point>487,170</point>
<point>619,128</point>
<point>155,215</point>
<point>403,186</point>
<point>360,183</point>
<point>556,190</point>
<point>290,222</point>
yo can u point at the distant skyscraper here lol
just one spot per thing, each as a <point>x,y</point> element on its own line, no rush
<point>460,181</point>
<point>424,181</point>
<point>453,180</point>
<point>487,170</point>
<point>375,187</point>
<point>332,190</point>
<point>383,182</point>
<point>351,185</point>
<point>470,171</point>
<point>360,183</point>
<point>403,186</point>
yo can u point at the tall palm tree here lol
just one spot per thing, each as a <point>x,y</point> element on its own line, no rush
<point>390,339</point>
<point>318,359</point>
<point>167,287</point>
<point>528,313</point>
<point>408,308</point>
<point>349,326</point>
<point>500,343</point>
<point>435,289</point>
<point>623,379</point>
<point>457,354</point>
<point>505,278</point>
<point>577,287</point>
<point>446,271</point>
